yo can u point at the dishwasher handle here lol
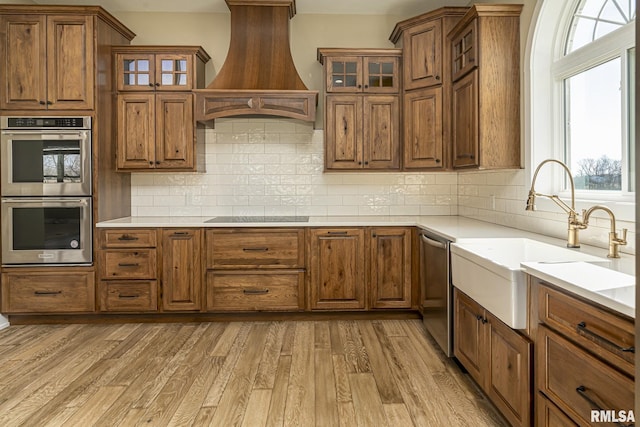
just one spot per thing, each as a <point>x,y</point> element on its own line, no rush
<point>431,242</point>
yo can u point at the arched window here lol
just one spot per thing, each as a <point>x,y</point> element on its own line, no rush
<point>581,111</point>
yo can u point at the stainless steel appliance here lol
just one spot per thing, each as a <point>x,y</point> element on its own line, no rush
<point>46,230</point>
<point>436,292</point>
<point>45,156</point>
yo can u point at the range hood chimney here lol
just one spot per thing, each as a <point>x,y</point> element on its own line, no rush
<point>258,75</point>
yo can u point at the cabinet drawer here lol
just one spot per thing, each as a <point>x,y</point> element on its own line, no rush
<point>237,248</point>
<point>128,264</point>
<point>255,290</point>
<point>602,332</point>
<point>48,292</point>
<point>128,296</point>
<point>548,414</point>
<point>128,238</point>
<point>576,381</point>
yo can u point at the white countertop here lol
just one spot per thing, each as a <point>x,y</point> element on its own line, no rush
<point>454,228</point>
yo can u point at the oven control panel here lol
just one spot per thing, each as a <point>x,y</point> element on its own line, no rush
<point>46,122</point>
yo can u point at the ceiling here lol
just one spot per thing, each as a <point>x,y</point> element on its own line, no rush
<point>359,7</point>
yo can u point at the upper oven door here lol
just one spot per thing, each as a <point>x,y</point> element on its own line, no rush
<point>46,163</point>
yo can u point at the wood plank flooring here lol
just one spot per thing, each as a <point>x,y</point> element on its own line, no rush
<point>284,373</point>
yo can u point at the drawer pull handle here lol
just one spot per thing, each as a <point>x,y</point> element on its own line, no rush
<point>180,233</point>
<point>582,328</point>
<point>44,293</point>
<point>126,237</point>
<point>255,291</point>
<point>337,233</point>
<point>582,391</point>
<point>255,249</point>
<point>133,264</point>
<point>134,296</point>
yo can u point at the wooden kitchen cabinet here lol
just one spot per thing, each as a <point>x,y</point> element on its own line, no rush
<point>390,267</point>
<point>48,290</point>
<point>497,358</point>
<point>423,137</point>
<point>155,131</point>
<point>485,68</point>
<point>255,269</point>
<point>47,61</point>
<point>362,108</point>
<point>362,132</point>
<point>360,70</point>
<point>128,270</point>
<point>181,269</point>
<point>337,269</point>
<point>155,121</point>
<point>140,70</point>
<point>427,87</point>
<point>584,358</point>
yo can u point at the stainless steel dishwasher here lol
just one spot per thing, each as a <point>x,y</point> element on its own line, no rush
<point>435,289</point>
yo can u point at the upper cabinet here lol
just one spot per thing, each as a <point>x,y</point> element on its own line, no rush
<point>160,71</point>
<point>47,62</point>
<point>362,108</point>
<point>155,106</point>
<point>354,71</point>
<point>485,68</point>
<point>427,87</point>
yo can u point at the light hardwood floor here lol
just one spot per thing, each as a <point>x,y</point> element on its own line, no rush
<point>284,373</point>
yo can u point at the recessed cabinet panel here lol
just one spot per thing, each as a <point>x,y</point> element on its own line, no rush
<point>390,273</point>
<point>465,121</point>
<point>174,131</point>
<point>423,142</point>
<point>425,65</point>
<point>181,270</point>
<point>382,131</point>
<point>337,269</point>
<point>136,131</point>
<point>343,132</point>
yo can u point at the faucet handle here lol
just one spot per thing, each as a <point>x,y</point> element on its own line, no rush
<point>623,241</point>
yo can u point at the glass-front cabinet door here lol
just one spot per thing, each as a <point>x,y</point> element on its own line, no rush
<point>344,74</point>
<point>140,72</point>
<point>381,74</point>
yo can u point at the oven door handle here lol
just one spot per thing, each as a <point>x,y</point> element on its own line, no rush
<point>47,201</point>
<point>41,135</point>
<point>435,243</point>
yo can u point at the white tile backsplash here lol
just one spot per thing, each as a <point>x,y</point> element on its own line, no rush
<point>275,167</point>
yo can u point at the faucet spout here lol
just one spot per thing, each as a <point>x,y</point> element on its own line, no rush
<point>574,222</point>
<point>614,241</point>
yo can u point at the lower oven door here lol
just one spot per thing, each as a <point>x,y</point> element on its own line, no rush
<point>46,231</point>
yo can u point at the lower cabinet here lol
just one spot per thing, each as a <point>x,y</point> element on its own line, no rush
<point>584,361</point>
<point>181,269</point>
<point>337,268</point>
<point>257,290</point>
<point>48,290</point>
<point>390,267</point>
<point>128,296</point>
<point>496,356</point>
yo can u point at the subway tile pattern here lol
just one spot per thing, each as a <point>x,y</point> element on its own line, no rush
<point>275,167</point>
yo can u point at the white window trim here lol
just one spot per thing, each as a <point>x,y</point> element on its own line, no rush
<point>543,93</point>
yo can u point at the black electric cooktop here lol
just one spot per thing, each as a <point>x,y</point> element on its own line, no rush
<point>221,219</point>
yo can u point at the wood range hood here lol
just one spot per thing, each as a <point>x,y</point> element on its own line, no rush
<point>258,76</point>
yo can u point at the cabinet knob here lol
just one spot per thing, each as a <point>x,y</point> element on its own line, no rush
<point>157,84</point>
<point>437,160</point>
<point>437,77</point>
<point>49,103</point>
<point>359,86</point>
<point>366,86</point>
<point>150,84</point>
<point>42,103</point>
<point>150,163</point>
<point>366,163</point>
<point>157,162</point>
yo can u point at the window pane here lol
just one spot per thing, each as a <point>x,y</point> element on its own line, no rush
<point>593,132</point>
<point>595,18</point>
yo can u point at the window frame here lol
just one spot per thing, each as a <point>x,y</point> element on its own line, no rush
<point>545,116</point>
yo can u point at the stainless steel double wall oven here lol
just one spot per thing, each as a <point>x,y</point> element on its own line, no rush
<point>45,182</point>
